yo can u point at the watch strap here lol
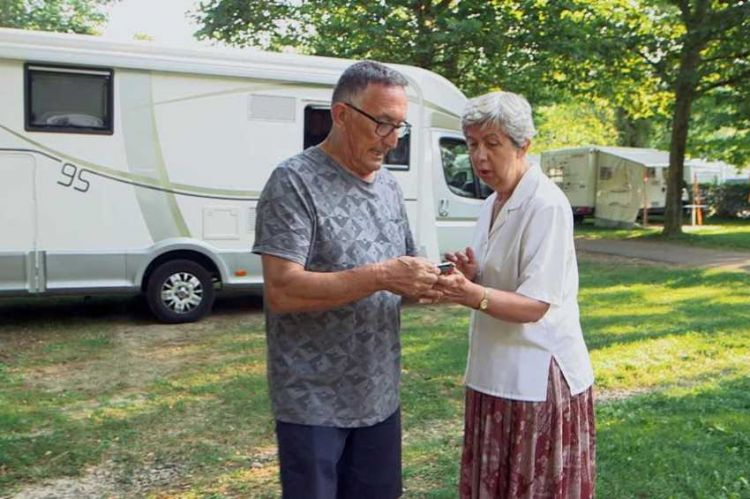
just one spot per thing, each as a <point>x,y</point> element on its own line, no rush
<point>484,302</point>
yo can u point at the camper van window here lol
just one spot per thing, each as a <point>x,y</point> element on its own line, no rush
<point>318,123</point>
<point>398,158</point>
<point>605,173</point>
<point>68,100</point>
<point>457,170</point>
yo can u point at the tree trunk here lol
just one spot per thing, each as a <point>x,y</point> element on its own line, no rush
<point>687,81</point>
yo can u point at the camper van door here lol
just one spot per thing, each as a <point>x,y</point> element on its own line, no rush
<point>18,222</point>
<point>458,192</point>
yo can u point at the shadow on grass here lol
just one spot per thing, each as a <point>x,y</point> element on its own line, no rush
<point>687,318</point>
<point>720,303</point>
<point>726,233</point>
<point>41,311</point>
<point>597,275</point>
<point>660,445</point>
<point>35,312</point>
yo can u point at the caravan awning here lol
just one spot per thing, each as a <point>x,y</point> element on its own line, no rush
<point>647,157</point>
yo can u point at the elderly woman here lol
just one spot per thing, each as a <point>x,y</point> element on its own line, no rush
<point>529,428</point>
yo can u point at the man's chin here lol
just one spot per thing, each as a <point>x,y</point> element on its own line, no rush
<point>375,165</point>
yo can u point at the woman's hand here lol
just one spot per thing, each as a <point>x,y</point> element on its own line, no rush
<point>456,288</point>
<point>466,262</point>
<point>504,305</point>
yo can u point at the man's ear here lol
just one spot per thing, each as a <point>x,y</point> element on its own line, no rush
<point>339,113</point>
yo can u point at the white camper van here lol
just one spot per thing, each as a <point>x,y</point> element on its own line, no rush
<point>611,183</point>
<point>128,167</point>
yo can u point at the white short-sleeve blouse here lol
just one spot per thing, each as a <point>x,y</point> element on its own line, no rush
<point>529,250</point>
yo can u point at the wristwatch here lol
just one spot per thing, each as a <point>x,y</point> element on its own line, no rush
<point>484,302</point>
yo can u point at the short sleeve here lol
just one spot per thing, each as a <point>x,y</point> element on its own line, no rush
<point>284,221</point>
<point>411,247</point>
<point>546,246</point>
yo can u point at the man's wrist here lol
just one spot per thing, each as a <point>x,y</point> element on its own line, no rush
<point>380,271</point>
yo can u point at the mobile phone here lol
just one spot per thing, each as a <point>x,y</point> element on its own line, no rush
<point>446,267</point>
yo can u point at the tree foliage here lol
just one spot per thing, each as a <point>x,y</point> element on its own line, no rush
<point>477,44</point>
<point>573,124</point>
<point>68,16</point>
<point>720,126</point>
<point>683,64</point>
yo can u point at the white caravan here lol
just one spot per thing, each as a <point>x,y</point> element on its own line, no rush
<point>129,167</point>
<point>704,171</point>
<point>574,172</point>
<point>611,183</point>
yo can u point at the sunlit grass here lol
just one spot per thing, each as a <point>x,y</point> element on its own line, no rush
<point>720,233</point>
<point>670,348</point>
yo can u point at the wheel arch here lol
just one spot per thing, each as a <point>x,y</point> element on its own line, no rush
<point>198,254</point>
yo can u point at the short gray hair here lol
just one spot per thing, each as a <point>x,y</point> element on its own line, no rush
<point>511,112</point>
<point>360,74</point>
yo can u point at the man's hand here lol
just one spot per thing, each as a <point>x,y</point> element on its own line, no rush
<point>409,276</point>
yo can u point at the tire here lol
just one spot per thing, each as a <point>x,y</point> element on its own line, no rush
<point>180,291</point>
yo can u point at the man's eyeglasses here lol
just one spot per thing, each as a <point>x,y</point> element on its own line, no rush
<point>383,128</point>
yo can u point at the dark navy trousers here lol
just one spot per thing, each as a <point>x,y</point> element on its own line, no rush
<point>320,462</point>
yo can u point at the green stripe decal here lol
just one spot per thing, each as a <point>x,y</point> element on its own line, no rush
<point>136,178</point>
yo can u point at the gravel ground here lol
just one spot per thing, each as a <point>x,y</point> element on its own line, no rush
<point>105,481</point>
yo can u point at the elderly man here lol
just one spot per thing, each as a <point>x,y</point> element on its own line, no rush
<point>338,255</point>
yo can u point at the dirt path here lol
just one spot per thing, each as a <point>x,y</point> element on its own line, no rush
<point>673,254</point>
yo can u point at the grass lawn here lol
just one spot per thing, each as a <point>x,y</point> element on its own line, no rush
<point>726,234</point>
<point>128,408</point>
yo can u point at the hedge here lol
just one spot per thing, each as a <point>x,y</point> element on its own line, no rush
<point>727,200</point>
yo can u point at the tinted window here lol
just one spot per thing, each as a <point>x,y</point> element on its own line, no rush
<point>68,100</point>
<point>399,157</point>
<point>318,123</point>
<point>457,170</point>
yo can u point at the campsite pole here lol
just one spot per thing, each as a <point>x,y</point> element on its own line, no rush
<point>697,217</point>
<point>644,218</point>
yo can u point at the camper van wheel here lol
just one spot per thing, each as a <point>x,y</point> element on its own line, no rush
<point>180,291</point>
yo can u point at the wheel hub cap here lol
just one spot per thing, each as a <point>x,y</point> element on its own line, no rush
<point>182,292</point>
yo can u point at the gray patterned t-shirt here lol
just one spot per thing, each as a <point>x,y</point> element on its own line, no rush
<point>339,367</point>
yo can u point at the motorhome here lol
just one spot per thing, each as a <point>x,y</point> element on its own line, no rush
<point>132,167</point>
<point>613,184</point>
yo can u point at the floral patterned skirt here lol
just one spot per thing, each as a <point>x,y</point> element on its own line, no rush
<point>529,449</point>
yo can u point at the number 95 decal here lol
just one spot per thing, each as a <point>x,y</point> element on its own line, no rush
<point>74,175</point>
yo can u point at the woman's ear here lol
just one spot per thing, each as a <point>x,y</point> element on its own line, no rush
<point>524,149</point>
